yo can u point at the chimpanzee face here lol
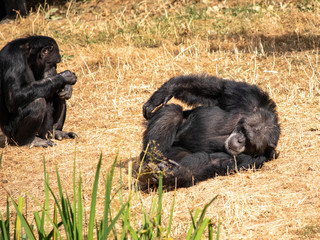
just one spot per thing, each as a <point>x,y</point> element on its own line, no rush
<point>50,56</point>
<point>43,56</point>
<point>252,135</point>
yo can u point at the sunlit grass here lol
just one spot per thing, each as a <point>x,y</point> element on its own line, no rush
<point>68,219</point>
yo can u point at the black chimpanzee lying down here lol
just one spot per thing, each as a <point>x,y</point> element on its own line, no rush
<point>232,126</point>
<point>32,94</point>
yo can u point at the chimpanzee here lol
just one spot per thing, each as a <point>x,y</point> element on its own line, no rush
<point>232,126</point>
<point>32,94</point>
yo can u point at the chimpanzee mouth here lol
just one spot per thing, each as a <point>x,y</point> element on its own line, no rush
<point>52,71</point>
<point>234,151</point>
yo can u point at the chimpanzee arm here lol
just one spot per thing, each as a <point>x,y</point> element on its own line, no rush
<point>20,88</point>
<point>223,163</point>
<point>201,166</point>
<point>66,92</point>
<point>208,91</point>
<point>191,89</point>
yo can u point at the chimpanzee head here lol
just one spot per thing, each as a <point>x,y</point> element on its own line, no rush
<point>254,134</point>
<point>42,56</point>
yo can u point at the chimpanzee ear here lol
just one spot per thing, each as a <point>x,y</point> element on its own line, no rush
<point>25,46</point>
<point>45,51</point>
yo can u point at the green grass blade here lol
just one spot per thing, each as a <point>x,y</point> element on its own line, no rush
<point>201,229</point>
<point>46,210</point>
<point>107,201</point>
<point>62,215</point>
<point>126,215</point>
<point>23,221</point>
<point>105,228</point>
<point>206,206</point>
<point>193,224</point>
<point>141,164</point>
<point>159,210</point>
<point>133,233</point>
<point>8,215</point>
<point>210,230</point>
<point>93,201</point>
<point>48,217</point>
<point>120,193</point>
<point>70,213</point>
<point>63,209</point>
<point>74,203</point>
<point>114,229</point>
<point>4,232</point>
<point>153,207</point>
<point>55,226</point>
<point>80,210</point>
<point>218,230</point>
<point>205,209</point>
<point>18,221</point>
<point>201,218</point>
<point>54,232</point>
<point>58,205</point>
<point>55,221</point>
<point>47,194</point>
<point>171,214</point>
<point>6,229</point>
<point>130,178</point>
<point>113,222</point>
<point>38,221</point>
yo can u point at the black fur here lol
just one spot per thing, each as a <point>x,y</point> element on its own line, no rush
<point>10,8</point>
<point>32,96</point>
<point>232,126</point>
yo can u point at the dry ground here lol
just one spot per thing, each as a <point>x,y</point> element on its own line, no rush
<point>118,69</point>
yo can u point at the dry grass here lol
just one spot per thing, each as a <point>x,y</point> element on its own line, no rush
<point>122,51</point>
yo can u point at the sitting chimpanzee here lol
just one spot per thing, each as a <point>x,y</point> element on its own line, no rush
<point>32,94</point>
<point>232,126</point>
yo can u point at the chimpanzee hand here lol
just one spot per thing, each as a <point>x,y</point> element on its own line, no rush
<point>151,104</point>
<point>148,107</point>
<point>66,93</point>
<point>69,77</point>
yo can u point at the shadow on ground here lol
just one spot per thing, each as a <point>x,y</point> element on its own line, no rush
<point>289,42</point>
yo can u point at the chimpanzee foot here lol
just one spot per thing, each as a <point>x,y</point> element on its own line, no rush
<point>39,142</point>
<point>59,135</point>
<point>151,172</point>
<point>148,173</point>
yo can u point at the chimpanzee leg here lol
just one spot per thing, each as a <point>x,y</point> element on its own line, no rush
<point>161,132</point>
<point>24,127</point>
<point>201,166</point>
<point>58,117</point>
<point>59,114</point>
<point>46,128</point>
<point>53,112</point>
<point>223,163</point>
